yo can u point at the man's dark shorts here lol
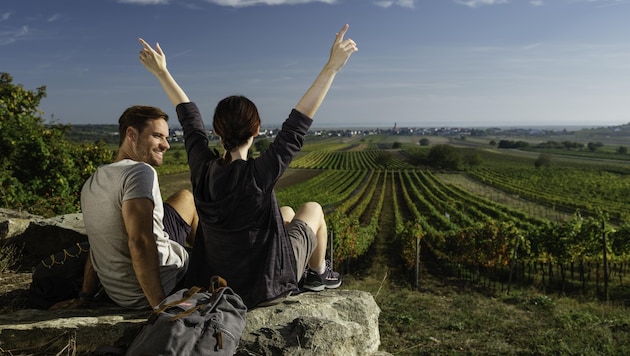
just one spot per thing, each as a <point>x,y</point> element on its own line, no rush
<point>176,228</point>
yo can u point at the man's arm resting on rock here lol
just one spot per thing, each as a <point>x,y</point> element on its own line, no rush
<point>138,218</point>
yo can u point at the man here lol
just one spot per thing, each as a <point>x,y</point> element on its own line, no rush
<point>136,241</point>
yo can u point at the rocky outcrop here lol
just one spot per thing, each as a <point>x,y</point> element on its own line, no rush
<point>332,322</point>
<point>37,237</point>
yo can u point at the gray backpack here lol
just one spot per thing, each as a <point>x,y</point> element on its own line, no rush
<point>193,322</point>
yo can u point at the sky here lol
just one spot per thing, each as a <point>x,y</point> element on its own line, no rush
<point>421,63</point>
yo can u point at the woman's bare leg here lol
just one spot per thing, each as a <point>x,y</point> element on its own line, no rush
<point>313,215</point>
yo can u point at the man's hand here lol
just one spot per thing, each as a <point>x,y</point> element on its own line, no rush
<point>68,304</point>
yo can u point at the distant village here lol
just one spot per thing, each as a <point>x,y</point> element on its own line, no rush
<point>110,132</point>
<point>177,134</point>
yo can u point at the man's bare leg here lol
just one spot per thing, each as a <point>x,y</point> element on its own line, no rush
<point>184,203</point>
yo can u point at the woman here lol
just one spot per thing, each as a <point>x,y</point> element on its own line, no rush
<point>262,250</point>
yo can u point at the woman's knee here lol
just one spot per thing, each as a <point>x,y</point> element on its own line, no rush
<point>314,208</point>
<point>311,213</point>
<point>287,214</point>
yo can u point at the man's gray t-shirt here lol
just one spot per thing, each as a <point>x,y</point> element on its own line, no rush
<point>101,203</point>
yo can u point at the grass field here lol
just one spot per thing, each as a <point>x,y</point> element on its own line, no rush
<point>446,316</point>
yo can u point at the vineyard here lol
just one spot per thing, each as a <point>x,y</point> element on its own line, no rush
<point>474,237</point>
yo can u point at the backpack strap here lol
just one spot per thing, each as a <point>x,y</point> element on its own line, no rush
<point>216,283</point>
<point>184,298</point>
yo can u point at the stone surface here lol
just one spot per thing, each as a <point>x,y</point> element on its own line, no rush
<point>37,237</point>
<point>332,322</point>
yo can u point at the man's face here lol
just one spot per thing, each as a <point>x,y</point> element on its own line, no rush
<point>151,142</point>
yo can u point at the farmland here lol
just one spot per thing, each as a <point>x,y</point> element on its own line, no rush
<point>524,244</point>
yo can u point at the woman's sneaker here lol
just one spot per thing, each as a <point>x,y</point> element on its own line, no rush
<point>318,282</point>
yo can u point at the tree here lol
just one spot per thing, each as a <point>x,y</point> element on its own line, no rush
<point>424,141</point>
<point>593,146</point>
<point>543,160</point>
<point>473,159</point>
<point>622,150</point>
<point>444,156</point>
<point>261,144</point>
<point>40,171</point>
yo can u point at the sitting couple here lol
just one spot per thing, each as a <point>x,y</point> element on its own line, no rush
<point>232,219</point>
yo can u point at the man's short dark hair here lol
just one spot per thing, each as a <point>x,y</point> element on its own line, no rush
<point>137,116</point>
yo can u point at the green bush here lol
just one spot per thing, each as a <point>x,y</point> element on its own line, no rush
<point>40,170</point>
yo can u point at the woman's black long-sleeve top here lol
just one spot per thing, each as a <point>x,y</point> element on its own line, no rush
<point>241,234</point>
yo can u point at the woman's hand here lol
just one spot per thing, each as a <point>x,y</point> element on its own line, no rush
<point>341,50</point>
<point>153,60</point>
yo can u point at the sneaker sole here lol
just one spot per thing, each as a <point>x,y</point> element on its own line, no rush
<point>333,286</point>
<point>315,288</point>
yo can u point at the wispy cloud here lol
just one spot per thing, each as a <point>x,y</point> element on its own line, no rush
<point>389,3</point>
<point>10,36</point>
<point>536,2</point>
<point>144,2</point>
<point>5,16</point>
<point>53,18</point>
<point>245,3</point>
<point>531,46</point>
<point>601,3</point>
<point>609,3</point>
<point>476,3</point>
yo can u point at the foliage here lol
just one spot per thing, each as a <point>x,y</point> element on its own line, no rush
<point>569,184</point>
<point>593,146</point>
<point>444,156</point>
<point>410,233</point>
<point>485,244</point>
<point>513,144</point>
<point>261,144</point>
<point>40,171</point>
<point>347,240</point>
<point>544,160</point>
<point>473,159</point>
<point>620,240</point>
<point>9,253</point>
<point>384,159</point>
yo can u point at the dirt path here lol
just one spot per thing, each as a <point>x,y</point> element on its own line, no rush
<point>170,183</point>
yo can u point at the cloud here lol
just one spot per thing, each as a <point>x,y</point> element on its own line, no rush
<point>476,3</point>
<point>5,16</point>
<point>8,37</point>
<point>536,2</point>
<point>53,18</point>
<point>601,3</point>
<point>389,3</point>
<point>245,3</point>
<point>144,2</point>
